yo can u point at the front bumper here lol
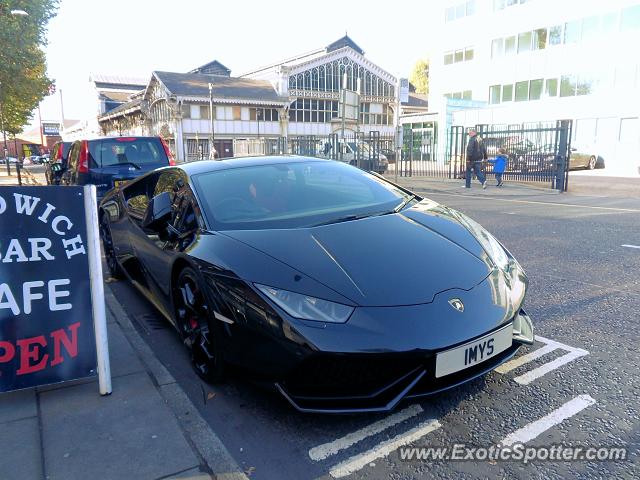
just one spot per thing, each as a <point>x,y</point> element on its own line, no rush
<point>356,383</point>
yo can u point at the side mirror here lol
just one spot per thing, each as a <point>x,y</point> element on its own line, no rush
<point>158,212</point>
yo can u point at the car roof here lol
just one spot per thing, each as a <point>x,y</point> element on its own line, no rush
<point>201,166</point>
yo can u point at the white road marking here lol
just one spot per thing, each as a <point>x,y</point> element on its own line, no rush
<point>550,346</point>
<point>631,246</point>
<point>555,204</point>
<point>534,429</point>
<point>518,362</point>
<point>356,462</point>
<point>530,376</point>
<point>326,450</point>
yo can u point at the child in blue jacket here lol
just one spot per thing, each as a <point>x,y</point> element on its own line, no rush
<point>499,165</point>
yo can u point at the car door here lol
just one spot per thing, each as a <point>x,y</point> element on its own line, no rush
<point>156,249</point>
<point>72,164</point>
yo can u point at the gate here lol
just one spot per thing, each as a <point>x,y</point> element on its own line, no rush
<point>536,153</point>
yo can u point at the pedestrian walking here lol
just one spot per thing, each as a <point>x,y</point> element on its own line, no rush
<point>499,165</point>
<point>476,155</point>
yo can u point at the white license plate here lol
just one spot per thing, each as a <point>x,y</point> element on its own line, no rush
<point>475,352</point>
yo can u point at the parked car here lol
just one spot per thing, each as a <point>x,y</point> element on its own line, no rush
<point>290,268</point>
<point>108,162</point>
<point>12,160</point>
<point>585,157</point>
<point>57,162</point>
<point>354,153</point>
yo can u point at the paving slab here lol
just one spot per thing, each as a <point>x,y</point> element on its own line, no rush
<point>88,436</point>
<point>22,439</point>
<point>17,405</point>
<point>123,359</point>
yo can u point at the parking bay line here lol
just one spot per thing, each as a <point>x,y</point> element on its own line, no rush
<point>550,346</point>
<point>356,462</point>
<point>535,429</point>
<point>630,246</point>
<point>327,449</point>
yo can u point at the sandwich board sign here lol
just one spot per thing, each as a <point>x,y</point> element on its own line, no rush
<point>52,315</point>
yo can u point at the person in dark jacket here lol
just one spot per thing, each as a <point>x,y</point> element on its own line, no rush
<point>476,154</point>
<point>499,165</point>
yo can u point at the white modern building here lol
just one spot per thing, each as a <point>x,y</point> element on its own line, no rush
<point>521,61</point>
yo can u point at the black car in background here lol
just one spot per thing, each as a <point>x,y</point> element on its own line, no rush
<point>57,162</point>
<point>108,162</point>
<point>289,267</point>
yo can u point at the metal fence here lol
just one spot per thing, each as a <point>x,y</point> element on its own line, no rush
<point>536,153</point>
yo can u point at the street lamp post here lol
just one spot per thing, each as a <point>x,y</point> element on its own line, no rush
<point>212,149</point>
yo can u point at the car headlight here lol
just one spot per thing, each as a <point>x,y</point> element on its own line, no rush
<point>306,307</point>
<point>488,242</point>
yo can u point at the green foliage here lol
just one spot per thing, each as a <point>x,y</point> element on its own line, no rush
<point>419,77</point>
<point>23,71</point>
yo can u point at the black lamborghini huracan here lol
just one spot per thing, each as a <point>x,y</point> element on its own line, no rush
<point>341,289</point>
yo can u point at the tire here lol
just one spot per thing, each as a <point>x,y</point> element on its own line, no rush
<point>592,162</point>
<point>192,315</point>
<point>107,244</point>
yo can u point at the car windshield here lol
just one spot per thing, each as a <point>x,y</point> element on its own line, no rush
<point>293,195</point>
<point>130,151</point>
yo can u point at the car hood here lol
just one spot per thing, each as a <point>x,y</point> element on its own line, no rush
<point>389,260</point>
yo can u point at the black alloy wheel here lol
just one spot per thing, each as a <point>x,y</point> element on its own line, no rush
<point>107,243</point>
<point>192,319</point>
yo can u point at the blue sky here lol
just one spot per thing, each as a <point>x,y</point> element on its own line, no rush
<point>135,37</point>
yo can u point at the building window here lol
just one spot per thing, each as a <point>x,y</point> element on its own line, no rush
<point>524,42</point>
<point>522,91</point>
<point>551,87</point>
<point>195,112</point>
<point>460,10</point>
<point>567,86</point>
<point>236,113</point>
<point>590,28</point>
<point>555,35</point>
<point>584,84</point>
<point>497,47</point>
<point>510,45</point>
<point>466,95</point>
<point>572,31</point>
<point>507,93</point>
<point>204,112</point>
<point>459,56</point>
<point>540,39</point>
<point>628,129</point>
<point>448,58</point>
<point>630,18</point>
<point>609,23</point>
<point>468,54</point>
<point>494,94</point>
<point>186,111</point>
<point>535,89</point>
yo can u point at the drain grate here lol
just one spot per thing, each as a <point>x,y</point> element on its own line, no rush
<point>149,322</point>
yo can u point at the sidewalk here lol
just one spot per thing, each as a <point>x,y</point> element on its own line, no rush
<point>146,429</point>
<point>27,177</point>
<point>456,186</point>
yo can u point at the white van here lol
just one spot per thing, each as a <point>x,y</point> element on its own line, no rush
<point>349,149</point>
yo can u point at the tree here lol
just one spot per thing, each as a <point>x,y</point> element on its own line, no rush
<point>419,77</point>
<point>23,71</point>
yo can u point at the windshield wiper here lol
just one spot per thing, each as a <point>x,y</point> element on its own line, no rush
<point>346,218</point>
<point>406,202</point>
<point>135,165</point>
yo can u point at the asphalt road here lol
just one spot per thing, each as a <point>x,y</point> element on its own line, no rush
<point>584,298</point>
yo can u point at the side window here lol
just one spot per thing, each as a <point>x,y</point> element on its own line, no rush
<point>138,194</point>
<point>169,181</point>
<point>73,157</point>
